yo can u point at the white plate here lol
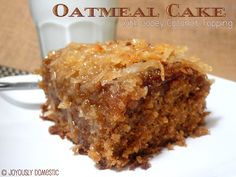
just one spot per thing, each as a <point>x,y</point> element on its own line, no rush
<point>30,99</point>
<point>26,144</point>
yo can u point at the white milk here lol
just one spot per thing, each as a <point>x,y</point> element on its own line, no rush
<point>56,32</point>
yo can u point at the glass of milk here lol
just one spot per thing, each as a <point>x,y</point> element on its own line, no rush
<point>56,32</point>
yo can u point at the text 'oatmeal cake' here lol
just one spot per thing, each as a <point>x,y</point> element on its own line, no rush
<point>121,102</point>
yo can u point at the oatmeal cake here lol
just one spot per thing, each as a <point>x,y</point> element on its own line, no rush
<point>121,102</point>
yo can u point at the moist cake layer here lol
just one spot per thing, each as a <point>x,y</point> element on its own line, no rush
<point>121,102</point>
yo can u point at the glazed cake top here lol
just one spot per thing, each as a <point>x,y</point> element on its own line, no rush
<point>79,71</point>
<point>103,62</point>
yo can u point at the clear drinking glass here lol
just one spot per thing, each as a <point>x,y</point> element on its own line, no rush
<point>56,32</point>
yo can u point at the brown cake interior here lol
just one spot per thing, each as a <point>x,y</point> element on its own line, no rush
<point>124,115</point>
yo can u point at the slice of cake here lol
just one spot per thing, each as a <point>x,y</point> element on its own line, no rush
<point>121,102</point>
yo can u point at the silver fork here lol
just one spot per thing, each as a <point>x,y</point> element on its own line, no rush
<point>6,86</point>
